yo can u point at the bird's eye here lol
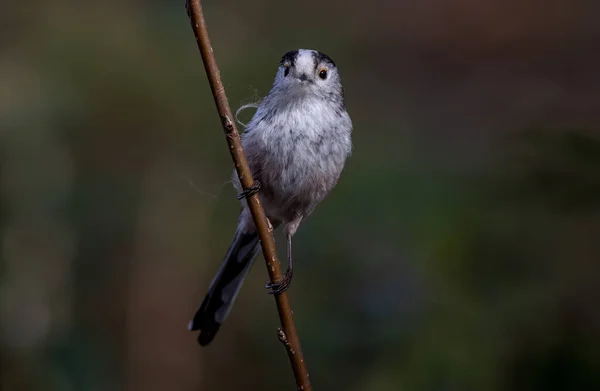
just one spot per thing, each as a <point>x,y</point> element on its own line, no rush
<point>286,70</point>
<point>323,73</point>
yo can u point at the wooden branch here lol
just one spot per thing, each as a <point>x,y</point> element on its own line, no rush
<point>287,334</point>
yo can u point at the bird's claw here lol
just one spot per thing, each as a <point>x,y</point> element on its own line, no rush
<point>250,191</point>
<point>281,286</point>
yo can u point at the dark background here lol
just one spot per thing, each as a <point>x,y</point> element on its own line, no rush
<point>460,250</point>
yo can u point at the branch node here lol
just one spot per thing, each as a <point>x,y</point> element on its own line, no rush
<point>270,225</point>
<point>283,339</point>
<point>227,123</point>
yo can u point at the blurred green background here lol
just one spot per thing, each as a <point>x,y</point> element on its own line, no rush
<point>460,250</point>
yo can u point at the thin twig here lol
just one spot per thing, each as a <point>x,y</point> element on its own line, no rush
<point>288,328</point>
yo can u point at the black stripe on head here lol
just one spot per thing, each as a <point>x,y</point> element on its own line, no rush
<point>289,57</point>
<point>322,58</point>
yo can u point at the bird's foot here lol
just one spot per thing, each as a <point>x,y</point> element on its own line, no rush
<point>281,286</point>
<point>250,191</point>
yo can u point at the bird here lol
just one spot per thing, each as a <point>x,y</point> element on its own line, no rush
<point>296,144</point>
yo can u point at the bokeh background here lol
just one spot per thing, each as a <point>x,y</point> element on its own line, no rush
<point>460,250</point>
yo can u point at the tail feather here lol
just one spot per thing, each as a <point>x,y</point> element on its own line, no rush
<point>225,286</point>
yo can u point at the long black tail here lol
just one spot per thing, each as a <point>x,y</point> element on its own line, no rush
<point>225,286</point>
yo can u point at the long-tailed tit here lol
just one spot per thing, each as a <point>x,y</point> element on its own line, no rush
<point>296,145</point>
